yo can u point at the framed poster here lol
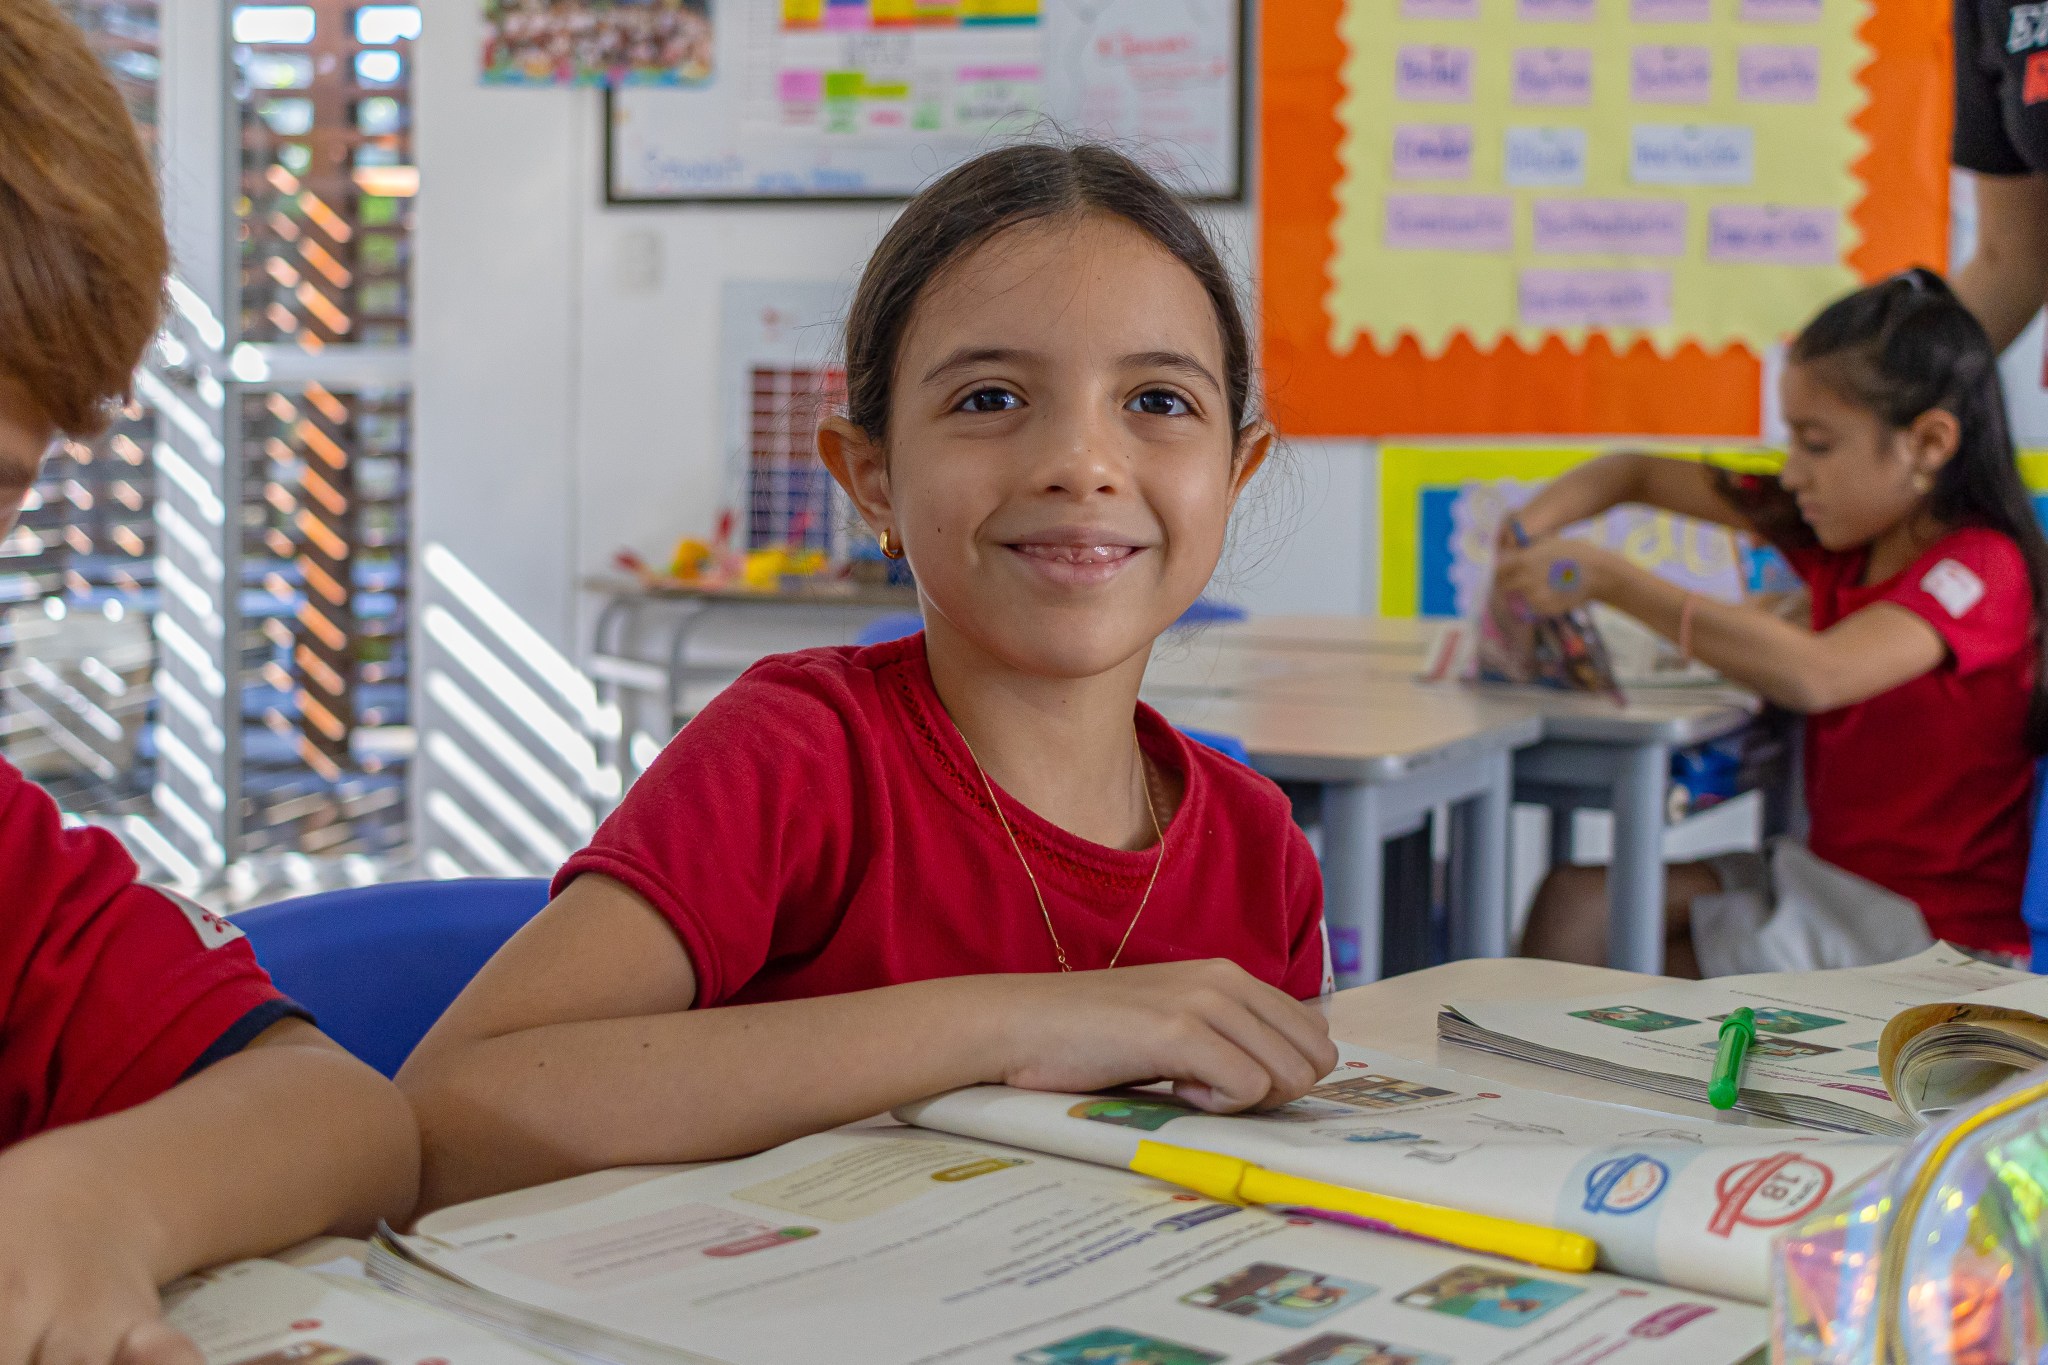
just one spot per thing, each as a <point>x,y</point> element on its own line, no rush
<point>869,99</point>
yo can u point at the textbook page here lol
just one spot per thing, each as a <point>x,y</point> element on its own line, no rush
<point>268,1313</point>
<point>1815,1060</point>
<point>900,1247</point>
<point>1687,1202</point>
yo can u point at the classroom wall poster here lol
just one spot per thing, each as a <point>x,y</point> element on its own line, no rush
<point>1441,507</point>
<point>1581,216</point>
<point>597,42</point>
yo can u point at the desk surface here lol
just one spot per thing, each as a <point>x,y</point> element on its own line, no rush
<point>1396,1015</point>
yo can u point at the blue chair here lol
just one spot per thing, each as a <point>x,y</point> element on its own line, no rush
<point>894,626</point>
<point>2034,898</point>
<point>377,965</point>
<point>1230,746</point>
<point>1208,611</point>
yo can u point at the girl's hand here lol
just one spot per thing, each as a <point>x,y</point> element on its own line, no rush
<point>1553,576</point>
<point>76,1286</point>
<point>1226,1040</point>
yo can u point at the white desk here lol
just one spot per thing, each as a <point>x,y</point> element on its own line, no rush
<point>1279,684</point>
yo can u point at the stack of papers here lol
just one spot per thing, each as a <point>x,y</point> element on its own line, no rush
<point>1815,1061</point>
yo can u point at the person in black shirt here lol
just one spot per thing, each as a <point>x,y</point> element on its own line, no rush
<point>2001,137</point>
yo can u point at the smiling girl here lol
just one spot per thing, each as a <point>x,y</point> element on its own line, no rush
<point>1901,505</point>
<point>864,876</point>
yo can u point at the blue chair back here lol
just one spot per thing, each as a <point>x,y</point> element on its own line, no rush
<point>2034,899</point>
<point>1230,746</point>
<point>1208,611</point>
<point>377,965</point>
<point>894,626</point>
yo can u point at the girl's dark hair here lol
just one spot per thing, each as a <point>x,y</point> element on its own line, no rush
<point>1003,189</point>
<point>1900,348</point>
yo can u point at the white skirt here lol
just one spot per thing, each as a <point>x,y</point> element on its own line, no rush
<point>1796,913</point>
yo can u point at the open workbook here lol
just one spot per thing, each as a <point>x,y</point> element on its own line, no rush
<point>1956,1027</point>
<point>267,1313</point>
<point>901,1246</point>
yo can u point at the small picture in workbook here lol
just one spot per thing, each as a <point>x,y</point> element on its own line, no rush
<point>1334,1348</point>
<point>1787,1021</point>
<point>1499,1298</point>
<point>1868,1071</point>
<point>1784,1049</point>
<point>1280,1294</point>
<point>1868,1046</point>
<point>1634,1018</point>
<point>1377,1092</point>
<point>313,1353</point>
<point>1114,1346</point>
<point>1149,1112</point>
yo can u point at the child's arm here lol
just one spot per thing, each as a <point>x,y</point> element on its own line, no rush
<point>1686,487</point>
<point>1869,652</point>
<point>576,1049</point>
<point>283,1140</point>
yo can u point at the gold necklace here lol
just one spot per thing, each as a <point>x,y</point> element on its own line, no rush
<point>1158,834</point>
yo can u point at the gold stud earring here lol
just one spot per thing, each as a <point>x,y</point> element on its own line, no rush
<point>1922,483</point>
<point>891,547</point>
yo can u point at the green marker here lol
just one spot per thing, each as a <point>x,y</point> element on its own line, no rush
<point>1738,1031</point>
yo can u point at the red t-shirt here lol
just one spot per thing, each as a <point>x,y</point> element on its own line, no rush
<point>819,828</point>
<point>1925,789</point>
<point>110,992</point>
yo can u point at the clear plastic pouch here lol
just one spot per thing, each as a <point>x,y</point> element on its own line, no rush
<point>1940,1256</point>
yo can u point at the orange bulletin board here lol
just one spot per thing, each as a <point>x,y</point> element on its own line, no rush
<point>1332,378</point>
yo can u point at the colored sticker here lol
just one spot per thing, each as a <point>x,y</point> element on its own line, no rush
<point>1692,154</point>
<point>1781,11</point>
<point>1545,157</point>
<point>1626,1184</point>
<point>1434,75</point>
<point>1772,73</point>
<point>1561,76</point>
<point>1432,151</point>
<point>1334,1348</point>
<point>1595,298</point>
<point>1450,222</point>
<point>1671,75</point>
<point>1554,11</point>
<point>1768,1192</point>
<point>1377,1092</point>
<point>1617,227</point>
<point>1116,1344</point>
<point>1773,1019</point>
<point>1148,1114</point>
<point>1670,11</point>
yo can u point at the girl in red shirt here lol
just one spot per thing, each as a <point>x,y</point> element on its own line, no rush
<point>1901,506</point>
<point>967,856</point>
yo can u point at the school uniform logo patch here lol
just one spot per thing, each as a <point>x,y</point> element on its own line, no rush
<point>1955,587</point>
<point>213,930</point>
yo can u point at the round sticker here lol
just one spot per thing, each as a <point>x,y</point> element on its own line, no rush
<point>1768,1192</point>
<point>1625,1184</point>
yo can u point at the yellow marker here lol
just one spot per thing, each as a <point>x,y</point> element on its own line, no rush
<point>1232,1181</point>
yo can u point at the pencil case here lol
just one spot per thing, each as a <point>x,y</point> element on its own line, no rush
<point>1940,1256</point>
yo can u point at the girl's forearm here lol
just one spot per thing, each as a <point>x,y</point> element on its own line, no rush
<point>283,1141</point>
<point>549,1102</point>
<point>1582,493</point>
<point>1764,653</point>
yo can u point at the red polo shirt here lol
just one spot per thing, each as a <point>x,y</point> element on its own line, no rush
<point>110,992</point>
<point>819,828</point>
<point>1925,789</point>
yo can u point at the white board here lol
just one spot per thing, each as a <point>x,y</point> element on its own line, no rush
<point>848,108</point>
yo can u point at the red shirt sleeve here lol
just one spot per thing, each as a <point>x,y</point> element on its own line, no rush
<point>1307,948</point>
<point>110,992</point>
<point>740,833</point>
<point>1973,589</point>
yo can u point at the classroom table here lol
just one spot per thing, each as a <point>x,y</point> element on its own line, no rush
<point>1254,681</point>
<point>1384,756</point>
<point>1397,1015</point>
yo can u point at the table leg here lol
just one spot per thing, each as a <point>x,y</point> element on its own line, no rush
<point>1479,836</point>
<point>1353,854</point>
<point>1635,877</point>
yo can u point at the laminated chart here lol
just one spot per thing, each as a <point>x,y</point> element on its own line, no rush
<point>871,98</point>
<point>1582,215</point>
